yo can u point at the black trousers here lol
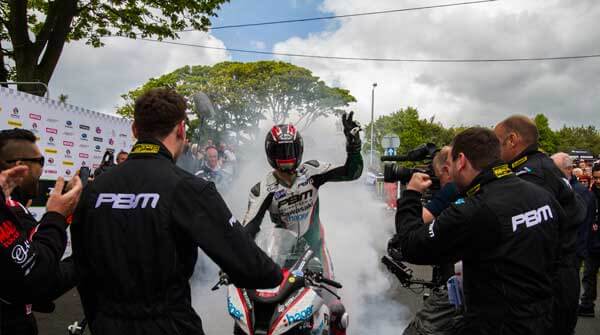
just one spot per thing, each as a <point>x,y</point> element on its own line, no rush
<point>590,280</point>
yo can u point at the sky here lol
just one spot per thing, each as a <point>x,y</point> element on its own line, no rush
<point>455,94</point>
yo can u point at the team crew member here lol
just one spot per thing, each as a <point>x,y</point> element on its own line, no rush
<point>519,137</point>
<point>448,192</point>
<point>136,233</point>
<point>507,256</point>
<point>51,279</point>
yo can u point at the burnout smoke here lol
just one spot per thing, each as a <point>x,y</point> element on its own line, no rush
<point>357,228</point>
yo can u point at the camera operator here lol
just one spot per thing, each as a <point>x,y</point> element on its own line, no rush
<point>33,276</point>
<point>505,233</point>
<point>519,137</point>
<point>448,192</point>
<point>136,232</point>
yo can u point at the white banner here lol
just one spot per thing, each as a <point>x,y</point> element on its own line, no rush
<point>68,136</point>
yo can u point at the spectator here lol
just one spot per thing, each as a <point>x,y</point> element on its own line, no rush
<point>43,278</point>
<point>121,157</point>
<point>582,164</point>
<point>585,181</point>
<point>592,261</point>
<point>577,173</point>
<point>187,160</point>
<point>588,171</point>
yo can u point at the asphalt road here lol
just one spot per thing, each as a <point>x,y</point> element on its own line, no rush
<point>68,310</point>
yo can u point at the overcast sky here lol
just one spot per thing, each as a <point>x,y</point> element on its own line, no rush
<point>483,93</point>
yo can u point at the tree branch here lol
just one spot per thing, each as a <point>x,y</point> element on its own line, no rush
<point>44,34</point>
<point>17,23</point>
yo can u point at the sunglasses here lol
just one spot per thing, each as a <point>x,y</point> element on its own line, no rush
<point>39,160</point>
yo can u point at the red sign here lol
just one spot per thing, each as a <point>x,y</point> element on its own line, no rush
<point>51,131</point>
<point>82,155</point>
<point>35,116</point>
<point>68,143</point>
<point>8,234</point>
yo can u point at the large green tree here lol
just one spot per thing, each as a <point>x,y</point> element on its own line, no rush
<point>54,23</point>
<point>548,141</point>
<point>243,94</point>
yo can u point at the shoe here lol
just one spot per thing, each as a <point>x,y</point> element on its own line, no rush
<point>587,311</point>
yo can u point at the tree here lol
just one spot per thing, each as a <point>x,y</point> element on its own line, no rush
<point>63,98</point>
<point>54,23</point>
<point>548,140</point>
<point>243,94</point>
<point>582,137</point>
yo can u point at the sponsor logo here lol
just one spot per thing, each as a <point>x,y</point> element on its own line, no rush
<point>52,130</point>
<point>98,139</point>
<point>68,163</point>
<point>50,141</point>
<point>279,194</point>
<point>69,124</point>
<point>84,127</point>
<point>145,149</point>
<point>97,148</point>
<point>19,253</point>
<point>68,154</point>
<point>123,135</point>
<point>51,151</point>
<point>98,130</point>
<point>35,116</point>
<point>52,120</point>
<point>303,315</point>
<point>83,163</point>
<point>15,113</point>
<point>84,137</point>
<point>532,218</point>
<point>50,172</point>
<point>295,198</point>
<point>128,201</point>
<point>234,311</point>
<point>111,141</point>
<point>8,234</point>
<point>68,172</point>
<point>15,123</point>
<point>68,133</point>
<point>84,146</point>
<point>68,143</point>
<point>83,155</point>
<point>50,161</point>
<point>431,232</point>
<point>34,125</point>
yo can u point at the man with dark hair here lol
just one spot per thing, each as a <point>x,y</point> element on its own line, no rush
<point>518,136</point>
<point>44,279</point>
<point>121,157</point>
<point>505,233</point>
<point>592,260</point>
<point>136,233</point>
<point>448,192</point>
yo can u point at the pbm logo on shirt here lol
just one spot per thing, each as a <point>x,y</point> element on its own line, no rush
<point>532,218</point>
<point>128,201</point>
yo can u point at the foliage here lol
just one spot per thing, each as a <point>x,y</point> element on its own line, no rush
<point>243,94</point>
<point>54,23</point>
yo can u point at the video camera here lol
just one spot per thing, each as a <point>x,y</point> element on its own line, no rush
<point>424,153</point>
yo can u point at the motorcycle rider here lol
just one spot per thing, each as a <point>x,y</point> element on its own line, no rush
<point>290,193</point>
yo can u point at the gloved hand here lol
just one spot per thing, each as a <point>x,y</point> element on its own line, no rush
<point>352,131</point>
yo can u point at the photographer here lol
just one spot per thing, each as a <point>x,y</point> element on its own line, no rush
<point>448,192</point>
<point>136,232</point>
<point>519,137</point>
<point>507,249</point>
<point>31,269</point>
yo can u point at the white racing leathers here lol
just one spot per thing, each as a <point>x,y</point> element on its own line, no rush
<point>296,207</point>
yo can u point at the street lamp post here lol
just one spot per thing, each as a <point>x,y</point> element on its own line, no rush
<point>372,122</point>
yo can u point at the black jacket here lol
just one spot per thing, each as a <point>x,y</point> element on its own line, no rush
<point>536,167</point>
<point>593,237</point>
<point>584,232</point>
<point>505,232</point>
<point>135,236</point>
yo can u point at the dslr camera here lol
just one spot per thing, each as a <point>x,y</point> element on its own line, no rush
<point>424,154</point>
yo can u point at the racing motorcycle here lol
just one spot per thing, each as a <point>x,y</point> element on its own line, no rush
<point>296,306</point>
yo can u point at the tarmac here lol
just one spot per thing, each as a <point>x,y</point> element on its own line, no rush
<point>68,310</point>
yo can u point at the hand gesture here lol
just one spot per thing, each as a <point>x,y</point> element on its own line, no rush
<point>11,178</point>
<point>351,130</point>
<point>64,204</point>
<point>419,182</point>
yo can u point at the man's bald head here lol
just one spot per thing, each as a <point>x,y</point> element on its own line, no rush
<point>564,162</point>
<point>515,134</point>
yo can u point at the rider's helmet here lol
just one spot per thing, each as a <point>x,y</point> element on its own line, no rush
<point>284,147</point>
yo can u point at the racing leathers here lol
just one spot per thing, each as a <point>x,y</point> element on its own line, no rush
<point>296,207</point>
<point>505,233</point>
<point>135,236</point>
<point>29,262</point>
<point>535,167</point>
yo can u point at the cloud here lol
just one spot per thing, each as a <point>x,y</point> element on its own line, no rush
<point>260,45</point>
<point>482,93</point>
<point>95,78</point>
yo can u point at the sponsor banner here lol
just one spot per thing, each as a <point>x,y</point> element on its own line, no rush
<point>68,136</point>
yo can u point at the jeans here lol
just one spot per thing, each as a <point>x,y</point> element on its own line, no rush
<point>590,280</point>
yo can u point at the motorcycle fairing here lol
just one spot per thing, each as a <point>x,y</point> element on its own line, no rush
<point>240,309</point>
<point>298,311</point>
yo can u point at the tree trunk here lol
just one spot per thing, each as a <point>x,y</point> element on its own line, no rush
<point>50,40</point>
<point>3,69</point>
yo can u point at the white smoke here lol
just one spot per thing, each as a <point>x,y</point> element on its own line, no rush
<point>357,228</point>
